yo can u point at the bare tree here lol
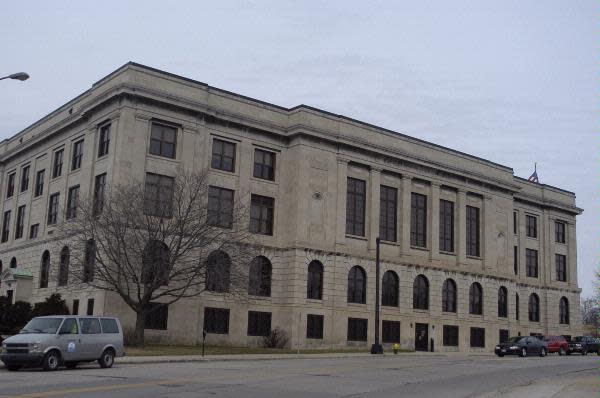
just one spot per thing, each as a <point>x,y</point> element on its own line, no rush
<point>159,241</point>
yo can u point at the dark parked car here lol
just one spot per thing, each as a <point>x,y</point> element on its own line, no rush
<point>522,346</point>
<point>557,344</point>
<point>583,345</point>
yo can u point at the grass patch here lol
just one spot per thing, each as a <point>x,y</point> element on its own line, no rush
<point>165,350</point>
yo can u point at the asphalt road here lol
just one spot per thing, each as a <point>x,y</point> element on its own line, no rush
<point>388,376</point>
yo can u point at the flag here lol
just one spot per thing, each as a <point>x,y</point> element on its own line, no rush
<point>534,176</point>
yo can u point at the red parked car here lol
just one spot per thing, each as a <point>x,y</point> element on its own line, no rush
<point>557,344</point>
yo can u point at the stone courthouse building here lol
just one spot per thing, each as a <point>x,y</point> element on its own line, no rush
<point>470,253</point>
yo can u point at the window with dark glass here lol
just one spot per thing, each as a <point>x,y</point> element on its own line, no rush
<point>39,183</point>
<point>357,285</point>
<point>531,226</point>
<point>223,155</point>
<point>390,332</point>
<point>264,164</point>
<point>77,155</point>
<point>314,282</point>
<point>259,323</point>
<point>418,220</point>
<point>502,302</point>
<point>33,231</point>
<point>516,259</point>
<point>450,335</point>
<point>157,316</point>
<point>561,267</point>
<point>531,262</point>
<point>357,329</point>
<point>216,320</point>
<point>25,178</point>
<point>20,222</point>
<point>218,272</point>
<point>75,307</point>
<point>72,202</point>
<point>45,270</point>
<point>156,264</point>
<point>476,299</point>
<point>446,226</point>
<point>220,207</point>
<point>89,261</point>
<point>260,277</point>
<point>449,296</point>
<point>162,140</point>
<point>99,188</point>
<point>421,293</point>
<point>534,308</point>
<point>53,208</point>
<point>559,232</point>
<point>158,195</point>
<point>90,310</point>
<point>261,215</point>
<point>10,185</point>
<point>472,231</point>
<point>104,140</point>
<point>13,262</point>
<point>517,306</point>
<point>58,163</point>
<point>109,325</point>
<point>478,337</point>
<point>314,326</point>
<point>390,287</point>
<point>564,311</point>
<point>355,207</point>
<point>5,226</point>
<point>515,222</point>
<point>388,209</point>
<point>503,335</point>
<point>63,268</point>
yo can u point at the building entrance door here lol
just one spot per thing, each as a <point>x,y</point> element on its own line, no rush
<point>421,336</point>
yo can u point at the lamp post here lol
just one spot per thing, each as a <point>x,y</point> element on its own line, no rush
<point>377,348</point>
<point>16,76</point>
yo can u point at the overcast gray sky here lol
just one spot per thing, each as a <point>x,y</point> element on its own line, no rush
<point>515,82</point>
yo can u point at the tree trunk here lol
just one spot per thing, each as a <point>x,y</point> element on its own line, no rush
<point>138,338</point>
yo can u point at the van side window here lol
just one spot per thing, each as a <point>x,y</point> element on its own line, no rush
<point>90,326</point>
<point>69,326</point>
<point>109,326</point>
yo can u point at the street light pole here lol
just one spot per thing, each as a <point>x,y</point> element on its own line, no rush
<point>377,348</point>
<point>16,76</point>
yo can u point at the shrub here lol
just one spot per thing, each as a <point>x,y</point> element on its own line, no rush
<point>278,338</point>
<point>53,305</point>
<point>17,315</point>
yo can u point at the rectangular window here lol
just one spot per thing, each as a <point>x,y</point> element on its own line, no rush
<point>390,332</point>
<point>517,307</point>
<point>20,222</point>
<point>162,140</point>
<point>561,267</point>
<point>39,183</point>
<point>450,335</point>
<point>559,231</point>
<point>10,185</point>
<point>418,220</point>
<point>157,317</point>
<point>33,231</point>
<point>259,323</point>
<point>472,231</point>
<point>25,178</point>
<point>388,210</point>
<point>58,163</point>
<point>314,326</point>
<point>90,307</point>
<point>531,262</point>
<point>223,155</point>
<point>355,207</point>
<point>503,335</point>
<point>220,207</point>
<point>216,320</point>
<point>99,187</point>
<point>261,215</point>
<point>446,226</point>
<point>90,325</point>
<point>158,195</point>
<point>357,329</point>
<point>75,307</point>
<point>53,208</point>
<point>515,222</point>
<point>104,140</point>
<point>516,259</point>
<point>264,164</point>
<point>5,226</point>
<point>72,202</point>
<point>531,226</point>
<point>77,155</point>
<point>478,337</point>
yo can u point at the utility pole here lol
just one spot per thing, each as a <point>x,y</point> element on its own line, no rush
<point>377,348</point>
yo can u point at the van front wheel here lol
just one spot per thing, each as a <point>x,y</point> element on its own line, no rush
<point>107,359</point>
<point>51,360</point>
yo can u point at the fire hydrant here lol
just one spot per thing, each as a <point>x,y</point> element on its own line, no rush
<point>396,348</point>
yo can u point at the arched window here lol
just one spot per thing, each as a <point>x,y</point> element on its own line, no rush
<point>218,272</point>
<point>0,273</point>
<point>63,269</point>
<point>502,302</point>
<point>534,308</point>
<point>357,285</point>
<point>449,296</point>
<point>421,293</point>
<point>89,261</point>
<point>476,299</point>
<point>314,281</point>
<point>156,264</point>
<point>44,270</point>
<point>564,311</point>
<point>260,277</point>
<point>13,262</point>
<point>389,289</point>
<point>517,306</point>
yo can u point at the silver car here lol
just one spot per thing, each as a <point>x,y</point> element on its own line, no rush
<point>51,341</point>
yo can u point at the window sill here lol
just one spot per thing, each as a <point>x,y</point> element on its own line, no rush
<point>264,180</point>
<point>475,257</point>
<point>224,172</point>
<point>158,157</point>
<point>103,157</point>
<point>389,242</point>
<point>259,298</point>
<point>74,172</point>
<point>423,249</point>
<point>420,311</point>
<point>447,253</point>
<point>357,305</point>
<point>314,301</point>
<point>357,237</point>
<point>476,315</point>
<point>449,313</point>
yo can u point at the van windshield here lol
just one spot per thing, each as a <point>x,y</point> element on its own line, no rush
<point>42,325</point>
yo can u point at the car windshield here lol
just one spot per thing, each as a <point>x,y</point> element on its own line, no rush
<point>515,339</point>
<point>577,339</point>
<point>42,325</point>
